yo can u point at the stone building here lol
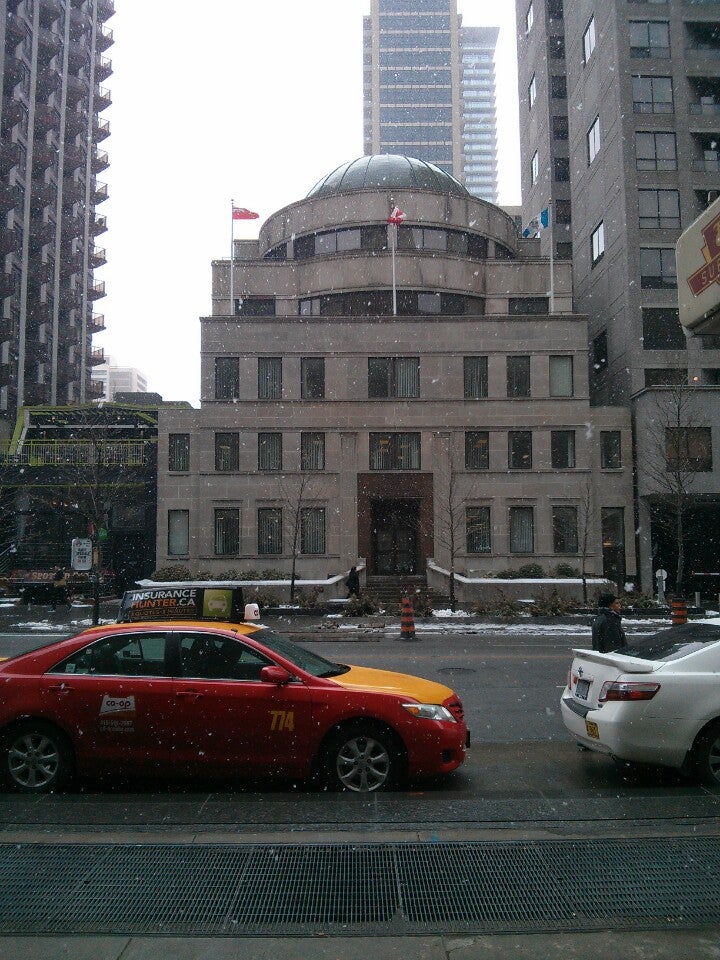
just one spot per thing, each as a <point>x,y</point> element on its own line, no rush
<point>343,419</point>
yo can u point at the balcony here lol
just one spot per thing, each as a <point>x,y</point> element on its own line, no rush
<point>98,226</point>
<point>14,111</point>
<point>73,190</point>
<point>100,161</point>
<point>76,123</point>
<point>55,453</point>
<point>100,192</point>
<point>7,374</point>
<point>97,357</point>
<point>74,158</point>
<point>106,9</point>
<point>48,79</point>
<point>95,390</point>
<point>15,27</point>
<point>98,257</point>
<point>102,98</point>
<point>7,329</point>
<point>80,23</point>
<point>50,11</point>
<point>77,89</point>
<point>49,42</point>
<point>44,155</point>
<point>96,323</point>
<point>103,68</point>
<point>11,155</point>
<point>96,291</point>
<point>104,39</point>
<point>42,232</point>
<point>11,198</point>
<point>101,129</point>
<point>46,118</point>
<point>10,239</point>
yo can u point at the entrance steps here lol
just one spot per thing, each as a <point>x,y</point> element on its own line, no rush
<point>389,590</point>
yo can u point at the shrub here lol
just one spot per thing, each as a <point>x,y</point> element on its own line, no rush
<point>641,601</point>
<point>552,605</point>
<point>172,572</point>
<point>531,570</point>
<point>360,606</point>
<point>263,598</point>
<point>310,599</point>
<point>422,604</point>
<point>503,607</point>
<point>565,570</point>
<point>271,574</point>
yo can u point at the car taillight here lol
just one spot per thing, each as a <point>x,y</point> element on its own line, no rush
<point>570,678</point>
<point>616,690</point>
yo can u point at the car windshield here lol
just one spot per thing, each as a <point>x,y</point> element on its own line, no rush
<point>305,659</point>
<point>673,643</point>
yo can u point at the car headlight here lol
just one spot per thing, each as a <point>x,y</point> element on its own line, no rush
<point>430,711</point>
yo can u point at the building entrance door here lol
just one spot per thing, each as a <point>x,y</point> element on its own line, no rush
<point>395,537</point>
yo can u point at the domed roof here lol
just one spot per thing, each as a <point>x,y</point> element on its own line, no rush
<point>387,171</point>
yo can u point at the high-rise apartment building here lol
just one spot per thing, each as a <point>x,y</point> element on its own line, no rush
<point>620,134</point>
<point>429,89</point>
<point>52,73</point>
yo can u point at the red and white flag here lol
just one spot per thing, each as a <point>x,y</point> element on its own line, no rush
<point>242,213</point>
<point>396,216</point>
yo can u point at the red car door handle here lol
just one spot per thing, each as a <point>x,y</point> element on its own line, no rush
<point>60,688</point>
<point>195,694</point>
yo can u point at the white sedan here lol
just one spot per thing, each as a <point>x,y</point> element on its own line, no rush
<point>656,701</point>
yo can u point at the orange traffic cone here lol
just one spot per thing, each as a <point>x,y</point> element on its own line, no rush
<point>407,620</point>
<point>679,612</point>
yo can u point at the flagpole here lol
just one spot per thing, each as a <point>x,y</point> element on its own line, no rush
<point>552,258</point>
<point>393,244</point>
<point>232,257</point>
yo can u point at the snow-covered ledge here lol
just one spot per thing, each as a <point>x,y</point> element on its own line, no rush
<point>470,589</point>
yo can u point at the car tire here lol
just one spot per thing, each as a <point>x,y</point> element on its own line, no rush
<point>707,756</point>
<point>362,758</point>
<point>36,758</point>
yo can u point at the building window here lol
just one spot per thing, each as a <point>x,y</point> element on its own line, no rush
<point>652,94</point>
<point>477,529</point>
<point>269,451</point>
<point>657,268</point>
<point>655,151</point>
<point>563,212</point>
<point>600,352</point>
<point>312,451</point>
<point>560,128</point>
<point>561,376</point>
<point>556,46</point>
<point>397,377</point>
<point>475,377</point>
<point>312,530</point>
<point>522,533</point>
<point>518,376</point>
<point>270,378</point>
<point>659,209</point>
<point>610,450</point>
<point>227,532</point>
<point>593,140</point>
<point>227,451</point>
<point>589,40</point>
<point>394,451</point>
<point>520,306</point>
<point>597,243</point>
<point>565,532</point>
<point>688,449</point>
<point>520,450</point>
<point>269,530</point>
<point>477,450</point>
<point>554,9</point>
<point>529,18</point>
<point>649,38</point>
<point>312,378</point>
<point>564,251</point>
<point>227,378</point>
<point>665,377</point>
<point>558,87</point>
<point>179,452</point>
<point>532,92</point>
<point>661,329</point>
<point>562,449</point>
<point>561,166</point>
<point>534,169</point>
<point>178,533</point>
<point>255,307</point>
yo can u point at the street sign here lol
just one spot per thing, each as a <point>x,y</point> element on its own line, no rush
<point>81,554</point>
<point>661,575</point>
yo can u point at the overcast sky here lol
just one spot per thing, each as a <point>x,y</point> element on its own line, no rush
<point>254,102</point>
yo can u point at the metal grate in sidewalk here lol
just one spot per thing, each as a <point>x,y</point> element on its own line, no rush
<point>359,889</point>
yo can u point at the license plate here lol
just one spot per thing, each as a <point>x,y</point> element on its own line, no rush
<point>592,729</point>
<point>581,690</point>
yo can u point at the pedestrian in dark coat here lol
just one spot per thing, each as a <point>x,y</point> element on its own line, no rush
<point>607,631</point>
<point>59,589</point>
<point>353,583</point>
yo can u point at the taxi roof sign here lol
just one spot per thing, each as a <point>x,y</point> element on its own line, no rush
<point>205,600</point>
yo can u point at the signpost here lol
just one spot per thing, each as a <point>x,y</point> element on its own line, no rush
<point>661,577</point>
<point>81,554</point>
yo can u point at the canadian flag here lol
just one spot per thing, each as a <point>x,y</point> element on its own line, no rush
<point>396,216</point>
<point>242,213</point>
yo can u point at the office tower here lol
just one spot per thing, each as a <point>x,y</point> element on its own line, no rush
<point>620,123</point>
<point>53,68</point>
<point>429,89</point>
<point>116,379</point>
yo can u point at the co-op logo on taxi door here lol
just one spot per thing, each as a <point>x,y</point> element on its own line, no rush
<point>117,705</point>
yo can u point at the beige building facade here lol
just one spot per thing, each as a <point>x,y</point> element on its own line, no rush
<point>342,420</point>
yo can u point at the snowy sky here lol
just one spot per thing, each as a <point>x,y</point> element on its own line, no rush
<point>254,102</point>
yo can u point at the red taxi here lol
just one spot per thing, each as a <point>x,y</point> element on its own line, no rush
<point>192,697</point>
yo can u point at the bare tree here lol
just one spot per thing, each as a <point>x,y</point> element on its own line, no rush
<point>448,532</point>
<point>294,494</point>
<point>587,518</point>
<point>676,450</point>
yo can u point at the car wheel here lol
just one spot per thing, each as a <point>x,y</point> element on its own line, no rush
<point>707,756</point>
<point>36,758</point>
<point>362,759</point>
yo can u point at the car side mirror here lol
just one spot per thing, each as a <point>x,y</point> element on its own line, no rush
<point>275,674</point>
